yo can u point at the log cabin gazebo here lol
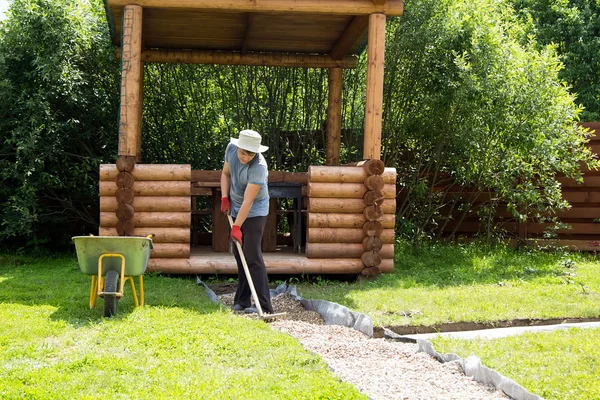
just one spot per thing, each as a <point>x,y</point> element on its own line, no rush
<point>349,210</point>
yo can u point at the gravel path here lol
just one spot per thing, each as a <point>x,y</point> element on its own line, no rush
<point>382,369</point>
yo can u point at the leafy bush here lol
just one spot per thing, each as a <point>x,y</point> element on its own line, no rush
<point>58,103</point>
<point>471,103</point>
<point>573,26</point>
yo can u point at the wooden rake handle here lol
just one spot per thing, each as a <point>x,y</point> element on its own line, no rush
<point>247,271</point>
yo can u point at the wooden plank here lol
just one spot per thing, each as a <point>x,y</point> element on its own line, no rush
<point>130,117</point>
<point>354,33</point>
<point>374,95</point>
<point>580,212</point>
<point>339,7</point>
<point>582,197</point>
<point>334,117</point>
<point>252,59</point>
<point>588,181</point>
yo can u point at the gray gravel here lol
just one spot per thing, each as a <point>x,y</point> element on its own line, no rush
<point>384,369</point>
<point>380,368</point>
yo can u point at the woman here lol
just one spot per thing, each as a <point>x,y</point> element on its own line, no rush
<point>245,195</point>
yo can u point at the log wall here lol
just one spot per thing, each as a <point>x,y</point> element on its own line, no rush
<point>144,199</point>
<point>351,215</point>
<point>583,217</point>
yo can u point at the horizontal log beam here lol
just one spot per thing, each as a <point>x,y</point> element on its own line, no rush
<point>149,188</point>
<point>150,219</point>
<point>170,250</point>
<point>345,190</point>
<point>149,172</point>
<point>292,60</point>
<point>280,265</point>
<point>161,235</point>
<point>339,220</point>
<point>344,235</point>
<point>340,250</point>
<point>346,206</point>
<point>346,174</point>
<point>150,203</point>
<point>393,8</point>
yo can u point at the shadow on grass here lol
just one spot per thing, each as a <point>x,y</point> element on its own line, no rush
<point>58,282</point>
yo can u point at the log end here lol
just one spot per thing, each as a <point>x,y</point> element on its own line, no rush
<point>125,163</point>
<point>125,227</point>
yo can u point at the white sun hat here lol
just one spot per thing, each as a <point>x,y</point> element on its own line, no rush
<point>249,140</point>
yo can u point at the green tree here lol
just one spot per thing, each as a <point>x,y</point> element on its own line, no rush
<point>58,108</point>
<point>470,102</point>
<point>573,26</point>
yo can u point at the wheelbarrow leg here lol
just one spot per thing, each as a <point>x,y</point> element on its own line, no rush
<point>141,291</point>
<point>94,292</point>
<point>132,286</point>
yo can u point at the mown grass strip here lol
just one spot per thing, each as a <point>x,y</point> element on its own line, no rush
<point>179,346</point>
<point>555,365</point>
<point>442,283</point>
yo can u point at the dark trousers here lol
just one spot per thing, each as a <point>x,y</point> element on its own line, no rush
<point>252,233</point>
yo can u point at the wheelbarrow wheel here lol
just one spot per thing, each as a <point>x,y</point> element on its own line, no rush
<point>110,300</point>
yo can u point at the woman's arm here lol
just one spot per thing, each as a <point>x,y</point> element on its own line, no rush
<point>225,180</point>
<point>249,195</point>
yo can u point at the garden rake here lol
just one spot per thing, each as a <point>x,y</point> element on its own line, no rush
<point>250,282</point>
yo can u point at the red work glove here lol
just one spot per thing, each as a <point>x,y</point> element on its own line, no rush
<point>225,205</point>
<point>236,233</point>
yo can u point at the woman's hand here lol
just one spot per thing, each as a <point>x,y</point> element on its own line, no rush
<point>225,205</point>
<point>236,233</point>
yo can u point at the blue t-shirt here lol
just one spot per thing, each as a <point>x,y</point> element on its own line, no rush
<point>256,172</point>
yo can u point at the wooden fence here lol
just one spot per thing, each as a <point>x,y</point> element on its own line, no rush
<point>583,218</point>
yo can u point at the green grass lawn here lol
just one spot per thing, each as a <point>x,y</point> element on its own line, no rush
<point>563,364</point>
<point>179,346</point>
<point>182,346</point>
<point>442,283</point>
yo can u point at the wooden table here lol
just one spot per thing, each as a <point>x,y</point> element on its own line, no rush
<point>220,228</point>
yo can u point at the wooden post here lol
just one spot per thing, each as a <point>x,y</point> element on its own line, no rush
<point>130,116</point>
<point>374,99</point>
<point>138,155</point>
<point>269,240</point>
<point>220,225</point>
<point>334,117</point>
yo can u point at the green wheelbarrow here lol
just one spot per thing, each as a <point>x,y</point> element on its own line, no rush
<point>111,261</point>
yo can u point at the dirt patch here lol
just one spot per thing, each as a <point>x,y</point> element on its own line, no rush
<point>472,326</point>
<point>284,303</point>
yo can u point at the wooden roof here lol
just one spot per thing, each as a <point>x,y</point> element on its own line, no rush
<point>332,28</point>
